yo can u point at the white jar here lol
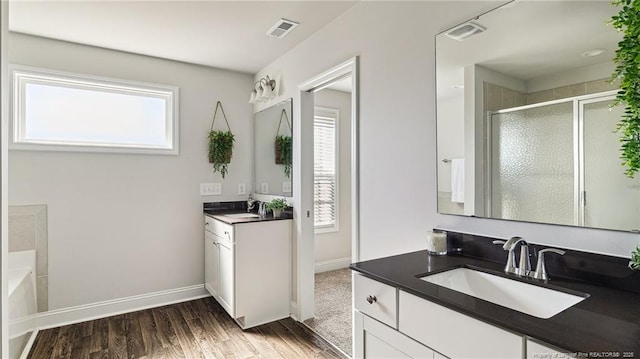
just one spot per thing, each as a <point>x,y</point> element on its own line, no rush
<point>437,243</point>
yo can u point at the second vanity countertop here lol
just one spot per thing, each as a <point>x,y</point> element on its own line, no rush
<point>220,215</point>
<point>608,321</point>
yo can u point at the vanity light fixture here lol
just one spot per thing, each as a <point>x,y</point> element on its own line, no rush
<point>265,91</point>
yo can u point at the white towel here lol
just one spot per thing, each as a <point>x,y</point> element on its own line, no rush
<point>457,180</point>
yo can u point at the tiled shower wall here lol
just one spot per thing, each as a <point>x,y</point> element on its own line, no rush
<point>28,231</point>
<point>500,98</point>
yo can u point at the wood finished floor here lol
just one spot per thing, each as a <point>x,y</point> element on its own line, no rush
<point>194,329</point>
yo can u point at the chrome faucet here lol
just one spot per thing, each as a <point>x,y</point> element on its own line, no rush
<point>262,210</point>
<point>524,269</point>
<point>251,203</point>
<point>541,270</point>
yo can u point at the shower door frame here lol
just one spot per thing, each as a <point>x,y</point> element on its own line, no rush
<point>579,195</point>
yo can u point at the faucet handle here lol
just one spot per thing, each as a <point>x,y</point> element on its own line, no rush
<point>541,270</point>
<point>499,242</point>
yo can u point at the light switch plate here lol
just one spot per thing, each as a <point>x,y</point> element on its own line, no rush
<point>286,187</point>
<point>264,188</point>
<point>242,188</point>
<point>210,189</point>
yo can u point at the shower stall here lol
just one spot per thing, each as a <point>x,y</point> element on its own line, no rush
<point>559,162</point>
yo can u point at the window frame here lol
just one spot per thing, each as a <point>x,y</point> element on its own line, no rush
<point>22,75</point>
<point>334,114</point>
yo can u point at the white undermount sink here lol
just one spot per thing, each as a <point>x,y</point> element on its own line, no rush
<point>242,215</point>
<point>526,298</point>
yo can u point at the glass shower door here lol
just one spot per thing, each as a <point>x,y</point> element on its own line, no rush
<point>604,183</point>
<point>532,164</point>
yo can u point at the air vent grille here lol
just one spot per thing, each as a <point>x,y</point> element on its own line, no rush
<point>465,30</point>
<point>282,28</point>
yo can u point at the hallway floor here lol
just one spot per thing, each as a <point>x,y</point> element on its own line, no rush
<point>333,308</point>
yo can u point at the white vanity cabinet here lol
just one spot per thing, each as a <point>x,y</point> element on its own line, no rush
<point>537,350</point>
<point>248,269</point>
<point>391,323</point>
<point>376,323</point>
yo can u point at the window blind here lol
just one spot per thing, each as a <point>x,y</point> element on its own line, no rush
<point>325,173</point>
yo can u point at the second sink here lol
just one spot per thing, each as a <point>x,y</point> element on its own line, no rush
<point>530,299</point>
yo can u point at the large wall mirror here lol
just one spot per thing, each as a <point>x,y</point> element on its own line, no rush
<point>524,125</point>
<point>273,133</point>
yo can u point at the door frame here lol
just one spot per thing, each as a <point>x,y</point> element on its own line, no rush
<point>305,242</point>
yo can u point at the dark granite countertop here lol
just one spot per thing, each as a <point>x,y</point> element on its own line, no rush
<point>608,321</point>
<point>230,220</point>
<point>218,210</point>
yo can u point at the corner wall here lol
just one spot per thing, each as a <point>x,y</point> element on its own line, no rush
<point>122,225</point>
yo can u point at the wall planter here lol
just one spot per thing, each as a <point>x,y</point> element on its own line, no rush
<point>283,147</point>
<point>627,60</point>
<point>220,144</point>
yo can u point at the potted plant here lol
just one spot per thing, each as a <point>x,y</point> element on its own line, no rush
<point>277,205</point>
<point>634,263</point>
<point>627,21</point>
<point>283,153</point>
<point>220,144</point>
<point>220,150</point>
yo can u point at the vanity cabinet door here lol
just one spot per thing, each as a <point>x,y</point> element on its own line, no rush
<point>226,278</point>
<point>376,340</point>
<point>211,264</point>
<point>536,350</point>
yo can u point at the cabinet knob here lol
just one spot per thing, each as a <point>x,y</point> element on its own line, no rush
<point>206,223</point>
<point>372,299</point>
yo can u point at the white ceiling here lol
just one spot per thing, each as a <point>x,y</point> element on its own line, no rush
<point>343,85</point>
<point>530,39</point>
<point>224,34</point>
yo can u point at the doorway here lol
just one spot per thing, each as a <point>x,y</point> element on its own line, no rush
<point>328,108</point>
<point>332,213</point>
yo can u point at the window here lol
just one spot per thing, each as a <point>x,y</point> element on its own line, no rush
<point>68,112</point>
<point>325,190</point>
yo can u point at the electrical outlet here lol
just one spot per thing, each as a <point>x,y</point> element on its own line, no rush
<point>286,187</point>
<point>264,188</point>
<point>210,189</point>
<point>242,188</point>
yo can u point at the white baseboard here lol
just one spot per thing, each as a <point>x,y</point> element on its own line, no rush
<point>332,264</point>
<point>81,313</point>
<point>293,309</point>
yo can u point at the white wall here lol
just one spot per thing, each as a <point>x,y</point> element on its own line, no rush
<point>333,246</point>
<point>397,126</point>
<point>123,225</point>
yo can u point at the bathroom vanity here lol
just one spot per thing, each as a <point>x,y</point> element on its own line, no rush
<point>248,265</point>
<point>398,313</point>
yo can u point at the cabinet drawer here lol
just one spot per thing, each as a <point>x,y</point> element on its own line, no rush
<point>218,228</point>
<point>538,350</point>
<point>375,299</point>
<point>454,334</point>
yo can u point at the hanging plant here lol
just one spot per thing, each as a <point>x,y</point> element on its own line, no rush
<point>220,145</point>
<point>220,150</point>
<point>627,60</point>
<point>283,153</point>
<point>283,146</point>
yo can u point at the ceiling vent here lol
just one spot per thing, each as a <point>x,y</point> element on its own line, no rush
<point>465,30</point>
<point>282,28</point>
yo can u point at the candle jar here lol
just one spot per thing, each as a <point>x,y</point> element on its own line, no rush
<point>437,243</point>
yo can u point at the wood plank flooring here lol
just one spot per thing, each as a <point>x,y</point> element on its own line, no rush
<point>195,329</point>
